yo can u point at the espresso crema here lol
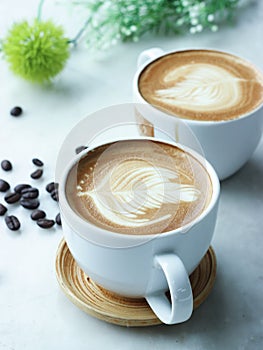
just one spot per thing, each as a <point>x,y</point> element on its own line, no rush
<point>138,187</point>
<point>202,85</point>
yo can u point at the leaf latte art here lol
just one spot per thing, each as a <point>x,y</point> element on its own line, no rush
<point>138,187</point>
<point>200,87</point>
<point>203,85</point>
<point>134,189</point>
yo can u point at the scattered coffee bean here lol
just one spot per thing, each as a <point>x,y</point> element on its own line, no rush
<point>29,203</point>
<point>12,222</point>
<point>37,174</point>
<point>38,214</point>
<point>16,111</point>
<point>58,219</point>
<point>45,223</point>
<point>54,195</point>
<point>6,165</point>
<point>37,162</point>
<point>3,209</point>
<point>19,188</point>
<point>30,193</point>
<point>80,149</point>
<point>50,187</point>
<point>4,186</point>
<point>12,197</point>
<point>27,189</point>
<point>27,195</point>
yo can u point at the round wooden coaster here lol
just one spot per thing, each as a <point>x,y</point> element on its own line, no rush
<point>109,307</point>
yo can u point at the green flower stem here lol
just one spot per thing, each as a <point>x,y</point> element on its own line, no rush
<point>39,10</point>
<point>75,40</point>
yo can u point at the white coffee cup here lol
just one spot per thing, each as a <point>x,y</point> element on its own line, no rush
<point>143,265</point>
<point>226,144</point>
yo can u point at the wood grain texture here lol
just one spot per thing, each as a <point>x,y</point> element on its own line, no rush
<point>102,304</point>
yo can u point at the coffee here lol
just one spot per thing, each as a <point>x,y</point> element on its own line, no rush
<point>202,85</point>
<point>138,187</point>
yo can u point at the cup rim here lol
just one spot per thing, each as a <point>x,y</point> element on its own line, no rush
<point>215,184</point>
<point>168,115</point>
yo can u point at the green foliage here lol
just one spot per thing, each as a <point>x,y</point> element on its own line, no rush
<point>128,20</point>
<point>36,52</point>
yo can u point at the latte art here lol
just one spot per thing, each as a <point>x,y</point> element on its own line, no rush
<point>134,189</point>
<point>138,187</point>
<point>202,85</point>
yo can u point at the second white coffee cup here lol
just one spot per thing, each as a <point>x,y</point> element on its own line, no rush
<point>227,144</point>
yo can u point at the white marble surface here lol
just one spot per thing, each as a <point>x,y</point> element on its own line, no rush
<point>34,313</point>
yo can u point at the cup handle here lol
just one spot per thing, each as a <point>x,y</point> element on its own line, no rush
<point>180,308</point>
<point>148,55</point>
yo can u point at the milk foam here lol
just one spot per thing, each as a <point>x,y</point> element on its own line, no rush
<point>134,191</point>
<point>138,187</point>
<point>203,87</point>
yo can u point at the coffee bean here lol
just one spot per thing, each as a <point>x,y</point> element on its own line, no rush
<point>37,174</point>
<point>30,193</point>
<point>4,186</point>
<point>80,149</point>
<point>50,187</point>
<point>45,223</point>
<point>16,111</point>
<point>19,188</point>
<point>12,197</point>
<point>37,162</point>
<point>3,209</point>
<point>29,203</point>
<point>38,214</point>
<point>6,165</point>
<point>54,195</point>
<point>12,222</point>
<point>28,189</point>
<point>58,219</point>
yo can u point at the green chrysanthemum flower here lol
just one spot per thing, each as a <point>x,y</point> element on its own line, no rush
<point>36,52</point>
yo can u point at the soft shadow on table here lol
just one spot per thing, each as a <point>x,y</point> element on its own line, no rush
<point>215,324</point>
<point>207,323</point>
<point>65,89</point>
<point>247,181</point>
